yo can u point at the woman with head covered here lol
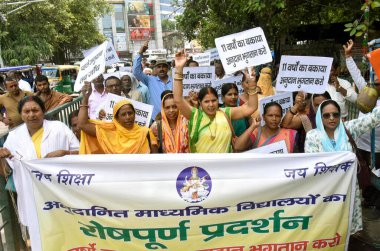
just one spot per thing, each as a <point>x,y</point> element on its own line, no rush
<point>121,136</point>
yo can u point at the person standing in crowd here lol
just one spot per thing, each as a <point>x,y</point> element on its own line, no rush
<point>172,129</point>
<point>256,136</point>
<point>51,99</point>
<point>73,123</point>
<point>332,135</point>
<point>230,95</point>
<point>121,136</point>
<point>210,128</point>
<point>10,100</point>
<point>156,84</point>
<point>301,116</point>
<point>364,142</point>
<point>219,70</point>
<point>129,87</point>
<point>192,63</point>
<point>23,85</point>
<point>98,96</point>
<point>340,90</point>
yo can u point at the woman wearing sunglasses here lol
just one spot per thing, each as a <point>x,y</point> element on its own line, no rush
<point>331,136</point>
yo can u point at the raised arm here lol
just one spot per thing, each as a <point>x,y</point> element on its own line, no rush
<point>83,122</point>
<point>251,106</point>
<point>291,120</point>
<point>183,106</point>
<point>244,142</point>
<point>352,68</point>
<point>137,67</point>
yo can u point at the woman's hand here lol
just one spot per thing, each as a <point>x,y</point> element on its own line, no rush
<point>256,122</point>
<point>102,114</point>
<point>5,153</point>
<point>250,79</point>
<point>180,59</point>
<point>348,48</point>
<point>86,89</point>
<point>58,153</point>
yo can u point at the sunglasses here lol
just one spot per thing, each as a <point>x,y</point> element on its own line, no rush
<point>334,115</point>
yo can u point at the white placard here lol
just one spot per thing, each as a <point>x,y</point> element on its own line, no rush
<point>143,111</point>
<point>91,66</point>
<point>195,78</point>
<point>243,49</point>
<point>217,85</point>
<point>309,74</point>
<point>203,59</point>
<point>284,99</point>
<point>274,148</point>
<point>125,69</point>
<point>213,54</point>
<point>111,55</point>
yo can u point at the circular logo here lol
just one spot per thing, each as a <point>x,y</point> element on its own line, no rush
<point>194,184</point>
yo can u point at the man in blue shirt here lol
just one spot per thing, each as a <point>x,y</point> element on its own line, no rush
<point>156,84</point>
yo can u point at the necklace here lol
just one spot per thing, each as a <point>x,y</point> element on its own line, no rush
<point>213,135</point>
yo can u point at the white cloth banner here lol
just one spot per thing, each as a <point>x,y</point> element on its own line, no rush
<point>195,78</point>
<point>143,111</point>
<point>309,74</point>
<point>243,49</point>
<point>203,59</point>
<point>237,80</point>
<point>91,66</point>
<point>283,99</point>
<point>202,201</point>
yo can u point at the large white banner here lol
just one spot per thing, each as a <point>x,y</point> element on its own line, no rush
<point>188,201</point>
<point>244,49</point>
<point>309,74</point>
<point>283,99</point>
<point>143,111</point>
<point>195,78</point>
<point>91,66</point>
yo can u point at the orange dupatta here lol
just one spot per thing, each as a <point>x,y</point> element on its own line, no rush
<point>113,138</point>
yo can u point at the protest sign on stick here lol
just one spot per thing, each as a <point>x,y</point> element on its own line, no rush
<point>217,85</point>
<point>111,54</point>
<point>243,49</point>
<point>309,74</point>
<point>91,66</point>
<point>202,59</point>
<point>283,99</point>
<point>213,54</point>
<point>195,78</point>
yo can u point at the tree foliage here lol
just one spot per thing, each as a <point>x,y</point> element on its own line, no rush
<point>53,30</point>
<point>209,19</point>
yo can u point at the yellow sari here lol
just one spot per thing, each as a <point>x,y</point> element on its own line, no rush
<point>113,138</point>
<point>37,140</point>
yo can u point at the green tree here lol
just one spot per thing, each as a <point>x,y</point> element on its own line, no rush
<point>209,19</point>
<point>54,29</point>
<point>168,25</point>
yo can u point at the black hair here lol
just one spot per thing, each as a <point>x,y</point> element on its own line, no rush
<point>40,78</point>
<point>10,79</point>
<point>165,92</point>
<point>26,99</point>
<point>73,114</point>
<point>191,61</point>
<point>326,95</point>
<point>329,102</point>
<point>335,64</point>
<point>206,90</point>
<point>270,104</point>
<point>113,77</point>
<point>227,87</point>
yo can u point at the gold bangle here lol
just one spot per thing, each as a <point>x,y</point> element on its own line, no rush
<point>80,106</point>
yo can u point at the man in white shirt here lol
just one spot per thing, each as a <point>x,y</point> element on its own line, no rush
<point>340,90</point>
<point>22,84</point>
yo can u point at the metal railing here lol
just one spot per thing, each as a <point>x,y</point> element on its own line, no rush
<point>62,112</point>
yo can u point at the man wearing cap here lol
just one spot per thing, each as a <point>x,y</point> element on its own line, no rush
<point>156,84</point>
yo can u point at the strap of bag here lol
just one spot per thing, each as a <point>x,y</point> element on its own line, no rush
<point>159,129</point>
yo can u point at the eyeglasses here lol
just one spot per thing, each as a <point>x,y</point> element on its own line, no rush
<point>334,115</point>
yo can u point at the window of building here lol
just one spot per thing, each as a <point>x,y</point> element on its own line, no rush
<point>119,18</point>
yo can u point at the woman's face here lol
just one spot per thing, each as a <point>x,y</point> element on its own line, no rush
<point>126,116</point>
<point>272,117</point>
<point>210,104</point>
<point>230,99</point>
<point>317,101</point>
<point>170,109</point>
<point>330,117</point>
<point>32,115</point>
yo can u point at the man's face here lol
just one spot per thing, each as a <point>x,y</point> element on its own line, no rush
<point>333,75</point>
<point>113,86</point>
<point>12,87</point>
<point>162,70</point>
<point>126,82</point>
<point>219,69</point>
<point>99,80</point>
<point>43,87</point>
